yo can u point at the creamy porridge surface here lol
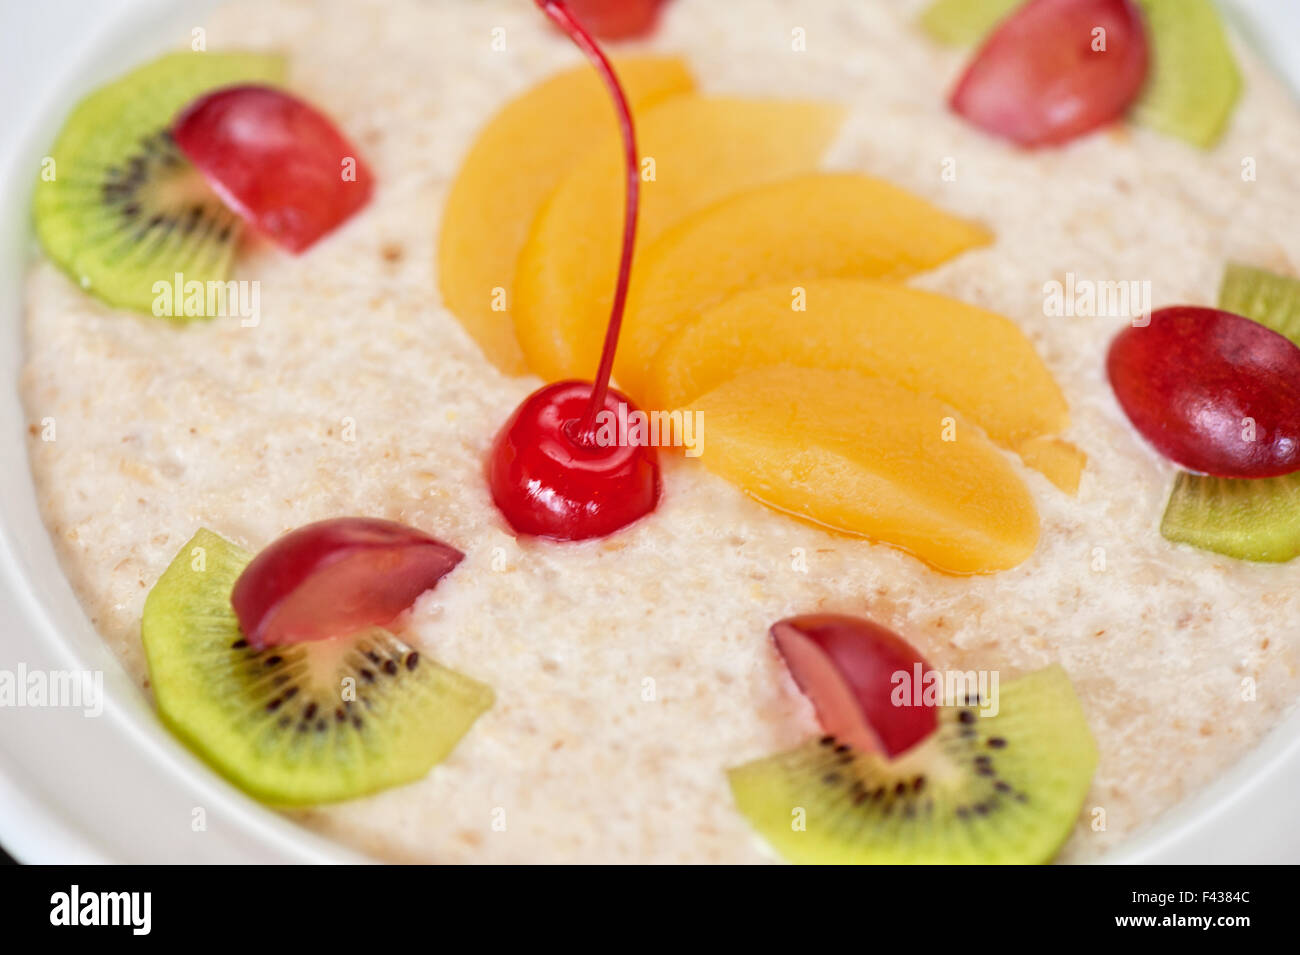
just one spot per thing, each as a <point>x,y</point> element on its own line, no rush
<point>246,430</point>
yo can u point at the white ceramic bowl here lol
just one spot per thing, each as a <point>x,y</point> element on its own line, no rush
<point>118,787</point>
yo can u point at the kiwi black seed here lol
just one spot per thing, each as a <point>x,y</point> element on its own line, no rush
<point>1250,519</point>
<point>118,207</point>
<point>982,788</point>
<point>295,724</point>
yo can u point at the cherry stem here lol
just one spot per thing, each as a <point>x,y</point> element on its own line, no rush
<point>559,13</point>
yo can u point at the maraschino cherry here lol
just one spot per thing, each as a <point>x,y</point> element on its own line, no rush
<point>550,473</point>
<point>617,19</point>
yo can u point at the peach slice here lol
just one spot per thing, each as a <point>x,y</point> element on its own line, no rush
<point>695,150</point>
<point>865,456</point>
<point>1056,459</point>
<point>975,360</point>
<point>518,158</point>
<point>809,227</point>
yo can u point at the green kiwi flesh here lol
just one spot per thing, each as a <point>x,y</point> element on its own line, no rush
<point>1255,519</point>
<point>119,207</point>
<point>279,723</point>
<point>1005,788</point>
<point>965,22</point>
<point>1265,297</point>
<point>1251,519</point>
<point>1194,81</point>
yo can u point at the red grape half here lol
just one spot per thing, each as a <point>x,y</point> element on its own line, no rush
<point>1213,391</point>
<point>336,577</point>
<point>849,668</point>
<point>275,160</point>
<point>1055,70</point>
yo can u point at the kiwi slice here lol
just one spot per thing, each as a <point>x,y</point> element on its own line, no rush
<point>1265,297</point>
<point>1194,80</point>
<point>280,723</point>
<point>1250,519</point>
<point>1005,788</point>
<point>1256,519</point>
<point>965,22</point>
<point>121,208</point>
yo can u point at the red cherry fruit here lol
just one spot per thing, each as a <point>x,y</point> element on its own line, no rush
<point>550,472</point>
<point>335,577</point>
<point>275,160</point>
<point>1043,77</point>
<point>617,19</point>
<point>847,667</point>
<point>1213,391</point>
<point>550,482</point>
